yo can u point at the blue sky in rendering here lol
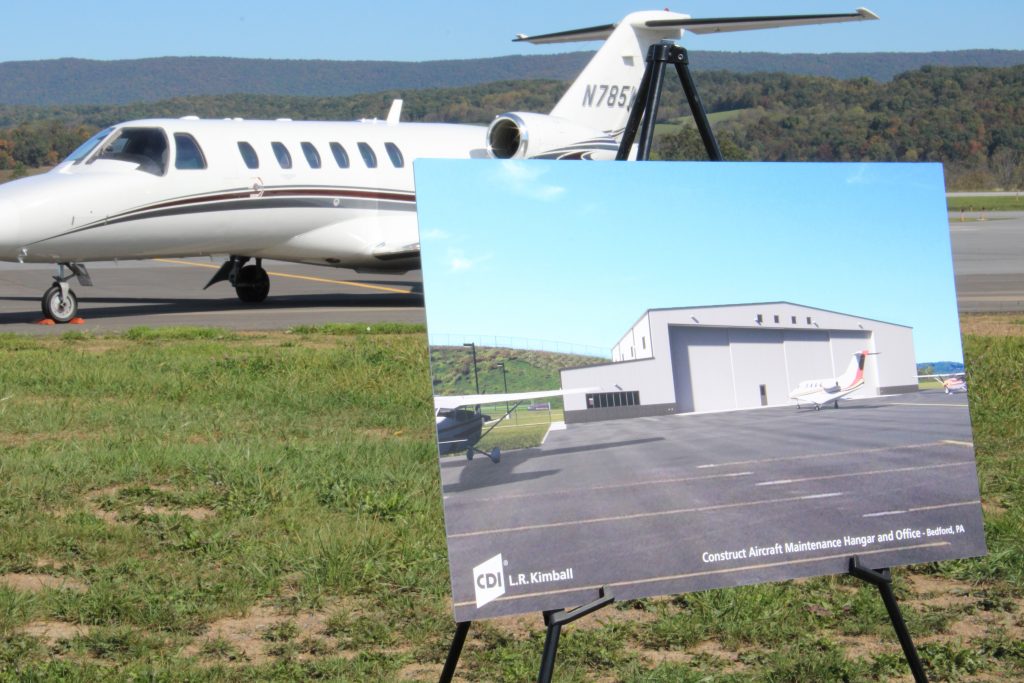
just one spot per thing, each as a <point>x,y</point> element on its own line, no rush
<point>459,29</point>
<point>575,252</point>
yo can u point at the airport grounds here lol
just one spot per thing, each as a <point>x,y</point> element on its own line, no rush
<point>211,504</point>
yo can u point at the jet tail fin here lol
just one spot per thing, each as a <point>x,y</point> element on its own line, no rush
<point>603,94</point>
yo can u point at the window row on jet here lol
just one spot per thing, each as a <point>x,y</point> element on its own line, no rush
<point>312,155</point>
<point>148,147</point>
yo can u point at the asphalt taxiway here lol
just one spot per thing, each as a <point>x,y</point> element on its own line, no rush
<point>988,260</point>
<point>686,502</point>
<point>170,292</point>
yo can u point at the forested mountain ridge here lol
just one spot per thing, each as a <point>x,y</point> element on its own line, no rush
<point>970,119</point>
<point>82,81</point>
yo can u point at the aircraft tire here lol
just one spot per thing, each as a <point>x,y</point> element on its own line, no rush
<point>57,310</point>
<point>252,285</point>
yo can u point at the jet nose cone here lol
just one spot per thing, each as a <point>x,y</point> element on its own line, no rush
<point>9,230</point>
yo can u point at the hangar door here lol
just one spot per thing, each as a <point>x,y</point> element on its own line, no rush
<point>734,368</point>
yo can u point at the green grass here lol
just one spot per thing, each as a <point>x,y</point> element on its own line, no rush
<point>983,203</point>
<point>175,483</point>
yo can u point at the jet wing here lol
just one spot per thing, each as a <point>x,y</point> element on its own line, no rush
<point>452,402</point>
<point>822,397</point>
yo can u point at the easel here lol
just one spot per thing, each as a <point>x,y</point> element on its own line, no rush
<point>553,619</point>
<point>648,97</point>
<point>645,111</point>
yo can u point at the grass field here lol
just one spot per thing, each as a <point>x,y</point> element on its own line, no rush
<point>200,505</point>
<point>983,203</point>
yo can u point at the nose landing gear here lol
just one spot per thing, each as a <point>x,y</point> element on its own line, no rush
<point>59,302</point>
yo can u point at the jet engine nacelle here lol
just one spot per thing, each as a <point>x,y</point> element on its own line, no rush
<point>520,135</point>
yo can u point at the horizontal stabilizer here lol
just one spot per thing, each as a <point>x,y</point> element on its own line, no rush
<point>753,23</point>
<point>710,25</point>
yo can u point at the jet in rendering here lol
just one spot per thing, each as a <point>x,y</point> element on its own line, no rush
<point>819,392</point>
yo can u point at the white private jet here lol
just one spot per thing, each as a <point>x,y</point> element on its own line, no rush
<point>327,193</point>
<point>459,428</point>
<point>819,392</point>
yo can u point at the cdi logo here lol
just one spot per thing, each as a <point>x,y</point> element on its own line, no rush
<point>489,580</point>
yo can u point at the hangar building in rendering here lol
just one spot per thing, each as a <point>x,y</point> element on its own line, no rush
<point>704,359</point>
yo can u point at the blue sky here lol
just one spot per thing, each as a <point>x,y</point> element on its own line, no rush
<point>415,31</point>
<point>576,252</point>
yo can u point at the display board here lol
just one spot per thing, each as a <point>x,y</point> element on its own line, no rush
<point>696,375</point>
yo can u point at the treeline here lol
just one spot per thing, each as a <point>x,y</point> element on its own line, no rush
<point>970,119</point>
<point>78,81</point>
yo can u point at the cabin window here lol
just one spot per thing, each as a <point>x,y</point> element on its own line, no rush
<point>395,154</point>
<point>284,158</point>
<point>340,155</point>
<point>89,145</point>
<point>188,155</point>
<point>368,155</point>
<point>249,155</point>
<point>312,156</point>
<point>146,147</point>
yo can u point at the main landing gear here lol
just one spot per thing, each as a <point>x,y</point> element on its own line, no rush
<point>59,302</point>
<point>251,283</point>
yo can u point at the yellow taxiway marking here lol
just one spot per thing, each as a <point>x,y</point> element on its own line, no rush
<point>730,570</point>
<point>642,515</point>
<point>309,278</point>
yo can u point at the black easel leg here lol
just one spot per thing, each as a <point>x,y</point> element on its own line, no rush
<point>700,116</point>
<point>635,115</point>
<point>882,579</point>
<point>547,662</point>
<point>454,652</point>
<point>644,113</point>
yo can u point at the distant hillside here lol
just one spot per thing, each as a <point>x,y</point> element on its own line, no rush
<point>82,81</point>
<point>452,369</point>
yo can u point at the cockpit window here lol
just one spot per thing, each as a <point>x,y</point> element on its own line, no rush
<point>89,145</point>
<point>312,156</point>
<point>248,155</point>
<point>188,156</point>
<point>282,154</point>
<point>146,147</point>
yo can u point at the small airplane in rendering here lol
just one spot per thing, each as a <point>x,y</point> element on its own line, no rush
<point>953,383</point>
<point>327,193</point>
<point>819,392</point>
<point>461,428</point>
